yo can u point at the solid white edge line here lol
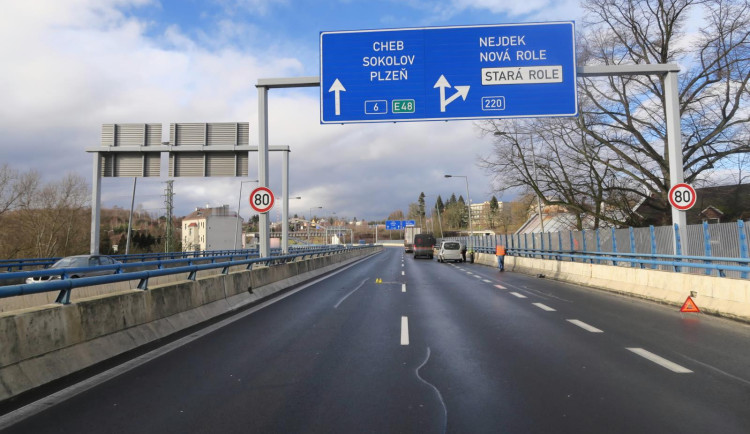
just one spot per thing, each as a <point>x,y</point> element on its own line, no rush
<point>661,361</point>
<point>515,294</point>
<point>404,330</point>
<point>543,306</point>
<point>583,325</point>
<point>42,404</point>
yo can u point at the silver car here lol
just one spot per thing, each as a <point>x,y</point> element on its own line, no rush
<point>450,251</point>
<point>78,261</point>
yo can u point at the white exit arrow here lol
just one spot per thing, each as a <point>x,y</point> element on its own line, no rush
<point>338,88</point>
<point>442,83</point>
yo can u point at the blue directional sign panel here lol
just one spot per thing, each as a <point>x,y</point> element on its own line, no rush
<point>398,224</point>
<point>393,225</point>
<point>447,73</point>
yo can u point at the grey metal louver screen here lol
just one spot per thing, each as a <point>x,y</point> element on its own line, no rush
<point>242,162</point>
<point>131,134</point>
<point>220,164</point>
<point>210,134</point>
<point>131,164</point>
<point>186,164</point>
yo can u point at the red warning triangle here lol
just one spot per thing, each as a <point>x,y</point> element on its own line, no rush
<point>689,306</point>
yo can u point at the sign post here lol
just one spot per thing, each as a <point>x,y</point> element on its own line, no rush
<point>446,73</point>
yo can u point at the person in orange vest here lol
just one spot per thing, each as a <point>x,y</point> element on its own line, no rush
<point>500,252</point>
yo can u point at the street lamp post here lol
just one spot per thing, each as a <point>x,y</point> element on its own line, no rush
<point>239,203</point>
<point>468,197</point>
<point>310,222</point>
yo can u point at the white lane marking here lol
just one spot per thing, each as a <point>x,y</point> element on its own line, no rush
<point>403,274</point>
<point>404,330</point>
<point>478,277</point>
<point>661,361</point>
<point>517,295</point>
<point>543,306</point>
<point>715,369</point>
<point>403,287</point>
<point>440,396</point>
<point>585,326</point>
<point>486,281</point>
<point>350,293</point>
<point>402,265</point>
<point>499,287</point>
<point>63,395</point>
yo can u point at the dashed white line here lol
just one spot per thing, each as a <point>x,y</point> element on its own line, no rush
<point>543,306</point>
<point>403,274</point>
<point>515,294</point>
<point>478,277</point>
<point>403,287</point>
<point>486,281</point>
<point>404,330</point>
<point>499,287</point>
<point>661,361</point>
<point>583,325</point>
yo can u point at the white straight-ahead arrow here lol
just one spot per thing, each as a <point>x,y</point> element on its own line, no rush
<point>442,83</point>
<point>338,88</point>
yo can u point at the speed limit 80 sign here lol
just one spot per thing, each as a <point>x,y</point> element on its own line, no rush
<point>261,199</point>
<point>682,196</point>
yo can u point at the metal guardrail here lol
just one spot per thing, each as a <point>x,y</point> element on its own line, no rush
<point>518,246</point>
<point>66,284</point>
<point>19,264</point>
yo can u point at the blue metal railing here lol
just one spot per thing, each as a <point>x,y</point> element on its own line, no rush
<point>161,268</point>
<point>519,245</point>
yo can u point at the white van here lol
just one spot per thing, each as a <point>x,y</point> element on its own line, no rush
<point>450,251</point>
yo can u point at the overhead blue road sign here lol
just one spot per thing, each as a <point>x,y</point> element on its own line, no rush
<point>446,73</point>
<point>393,225</point>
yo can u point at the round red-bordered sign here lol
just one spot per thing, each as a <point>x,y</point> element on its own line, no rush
<point>261,199</point>
<point>682,196</point>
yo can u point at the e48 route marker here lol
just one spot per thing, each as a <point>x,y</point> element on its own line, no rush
<point>261,199</point>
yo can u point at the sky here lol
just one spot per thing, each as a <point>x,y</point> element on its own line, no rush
<point>70,66</point>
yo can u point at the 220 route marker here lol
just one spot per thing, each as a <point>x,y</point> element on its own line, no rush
<point>261,199</point>
<point>682,196</point>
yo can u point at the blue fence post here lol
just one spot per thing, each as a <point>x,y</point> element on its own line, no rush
<point>526,244</point>
<point>559,244</point>
<point>598,247</point>
<point>614,247</point>
<point>631,232</point>
<point>707,245</point>
<point>743,244</point>
<point>678,245</point>
<point>653,245</point>
<point>541,243</point>
<point>533,244</point>
<point>572,248</point>
<point>583,235</point>
<point>549,242</point>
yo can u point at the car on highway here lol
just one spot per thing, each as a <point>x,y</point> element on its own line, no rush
<point>424,244</point>
<point>78,261</point>
<point>450,251</point>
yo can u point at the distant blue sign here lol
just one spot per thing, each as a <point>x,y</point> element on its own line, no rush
<point>393,225</point>
<point>443,73</point>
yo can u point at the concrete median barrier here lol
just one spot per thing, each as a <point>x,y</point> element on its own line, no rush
<point>719,296</point>
<point>42,344</point>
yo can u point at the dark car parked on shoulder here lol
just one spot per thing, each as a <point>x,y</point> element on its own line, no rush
<point>424,245</point>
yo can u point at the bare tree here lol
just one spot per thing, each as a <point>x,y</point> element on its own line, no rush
<point>614,154</point>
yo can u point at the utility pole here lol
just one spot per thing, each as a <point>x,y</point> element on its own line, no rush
<point>168,202</point>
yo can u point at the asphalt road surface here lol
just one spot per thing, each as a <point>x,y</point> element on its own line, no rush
<point>434,348</point>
